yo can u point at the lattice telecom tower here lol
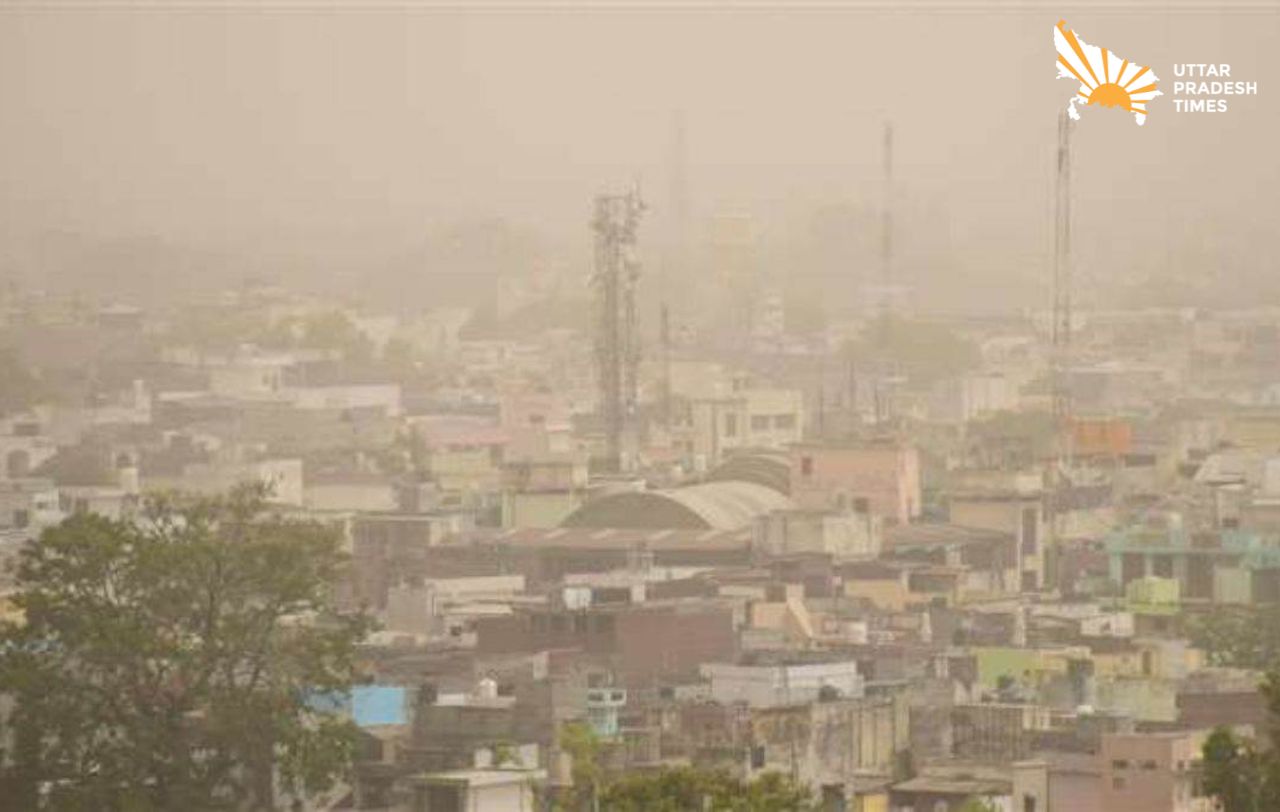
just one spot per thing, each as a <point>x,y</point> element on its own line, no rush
<point>617,342</point>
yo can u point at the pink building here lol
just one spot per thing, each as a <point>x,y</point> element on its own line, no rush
<point>885,477</point>
<point>1152,772</point>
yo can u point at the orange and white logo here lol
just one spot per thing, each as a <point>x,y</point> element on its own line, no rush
<point>1105,78</point>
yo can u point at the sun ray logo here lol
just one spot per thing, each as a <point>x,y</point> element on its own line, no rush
<point>1105,78</point>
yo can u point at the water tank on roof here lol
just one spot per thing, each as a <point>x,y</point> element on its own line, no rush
<point>486,689</point>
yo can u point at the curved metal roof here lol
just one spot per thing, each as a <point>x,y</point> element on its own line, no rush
<point>771,469</point>
<point>710,505</point>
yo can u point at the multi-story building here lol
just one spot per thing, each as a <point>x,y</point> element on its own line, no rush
<point>1153,772</point>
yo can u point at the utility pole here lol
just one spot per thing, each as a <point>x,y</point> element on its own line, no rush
<point>617,342</point>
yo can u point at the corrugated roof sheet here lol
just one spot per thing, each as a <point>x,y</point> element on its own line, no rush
<point>710,505</point>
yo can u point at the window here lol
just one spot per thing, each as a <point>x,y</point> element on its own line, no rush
<point>1148,765</point>
<point>1028,803</point>
<point>1030,526</point>
<point>1117,783</point>
<point>445,798</point>
<point>759,422</point>
<point>731,425</point>
<point>806,466</point>
<point>784,421</point>
<point>1120,764</point>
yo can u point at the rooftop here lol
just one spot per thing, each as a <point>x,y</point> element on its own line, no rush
<point>728,505</point>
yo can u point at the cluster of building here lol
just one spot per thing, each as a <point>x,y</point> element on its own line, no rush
<point>903,594</point>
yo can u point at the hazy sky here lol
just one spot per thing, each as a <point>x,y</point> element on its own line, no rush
<point>230,126</point>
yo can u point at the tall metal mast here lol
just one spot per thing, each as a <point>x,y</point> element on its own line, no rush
<point>1060,358</point>
<point>883,410</point>
<point>617,342</point>
<point>886,236</point>
<point>679,198</point>
<point>665,328</point>
<point>1061,329</point>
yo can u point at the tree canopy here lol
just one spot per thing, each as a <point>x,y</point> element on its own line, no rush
<point>677,789</point>
<point>171,660</point>
<point>19,388</point>
<point>671,789</point>
<point>923,351</point>
<point>1240,776</point>
<point>1241,637</point>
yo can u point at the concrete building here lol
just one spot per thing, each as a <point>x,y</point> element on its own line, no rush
<point>634,641</point>
<point>847,534</point>
<point>885,477</point>
<point>496,790</point>
<point>284,477</point>
<point>542,492</point>
<point>767,686</point>
<point>709,429</point>
<point>1022,786</point>
<point>1152,772</point>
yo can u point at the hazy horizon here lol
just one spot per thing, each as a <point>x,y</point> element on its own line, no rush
<point>343,139</point>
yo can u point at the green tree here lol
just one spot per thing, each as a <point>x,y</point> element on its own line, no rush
<point>1240,637</point>
<point>923,351</point>
<point>581,744</point>
<point>1241,777</point>
<point>1232,772</point>
<point>19,389</point>
<point>171,661</point>
<point>335,330</point>
<point>677,789</point>
<point>976,804</point>
<point>401,356</point>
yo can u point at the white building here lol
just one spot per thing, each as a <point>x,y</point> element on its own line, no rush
<point>767,686</point>
<point>476,791</point>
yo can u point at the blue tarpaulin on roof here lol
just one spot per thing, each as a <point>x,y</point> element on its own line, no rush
<point>367,705</point>
<point>379,705</point>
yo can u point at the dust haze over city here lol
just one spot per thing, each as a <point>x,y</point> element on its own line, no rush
<point>629,405</point>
